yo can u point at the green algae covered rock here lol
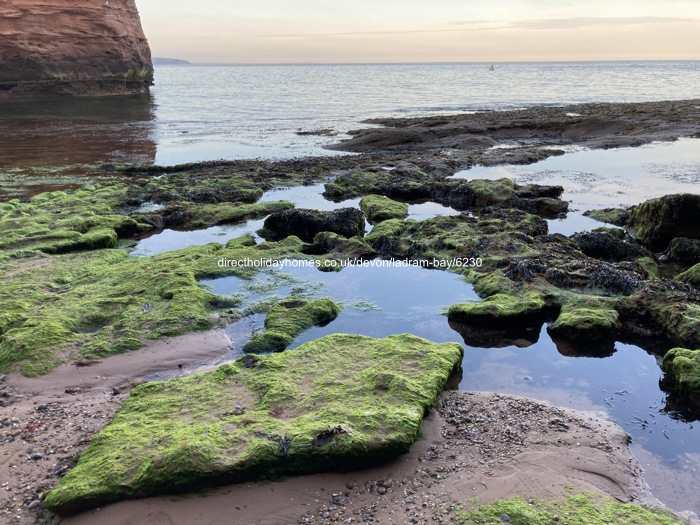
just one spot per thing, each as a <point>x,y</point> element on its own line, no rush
<point>656,222</point>
<point>288,319</point>
<point>333,403</point>
<point>378,208</point>
<point>58,222</point>
<point>692,276</point>
<point>102,302</point>
<point>579,509</point>
<point>586,319</point>
<point>499,308</point>
<point>682,366</point>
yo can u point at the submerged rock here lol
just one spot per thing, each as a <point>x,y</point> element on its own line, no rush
<point>305,224</point>
<point>338,402</point>
<point>66,47</point>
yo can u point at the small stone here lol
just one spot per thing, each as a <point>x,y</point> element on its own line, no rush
<point>381,490</point>
<point>42,406</point>
<point>35,504</point>
<point>555,518</point>
<point>505,518</point>
<point>350,485</point>
<point>37,456</point>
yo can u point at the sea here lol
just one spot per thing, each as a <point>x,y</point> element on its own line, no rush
<point>212,112</point>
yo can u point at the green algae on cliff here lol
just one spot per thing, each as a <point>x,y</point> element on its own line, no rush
<point>333,403</point>
<point>288,319</point>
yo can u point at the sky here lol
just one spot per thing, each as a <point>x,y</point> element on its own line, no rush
<point>376,31</point>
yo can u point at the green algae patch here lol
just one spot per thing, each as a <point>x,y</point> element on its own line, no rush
<point>586,318</point>
<point>615,216</point>
<point>692,276</point>
<point>500,308</point>
<point>682,367</point>
<point>488,192</point>
<point>378,208</point>
<point>657,221</point>
<point>650,267</point>
<point>93,304</point>
<point>573,509</point>
<point>205,215</point>
<point>288,319</point>
<point>59,222</point>
<point>334,403</point>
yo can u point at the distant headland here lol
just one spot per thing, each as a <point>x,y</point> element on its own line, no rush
<point>70,47</point>
<point>160,61</point>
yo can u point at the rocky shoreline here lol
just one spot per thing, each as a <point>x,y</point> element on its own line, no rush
<point>632,279</point>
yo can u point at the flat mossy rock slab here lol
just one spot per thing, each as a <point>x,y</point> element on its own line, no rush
<point>586,320</point>
<point>378,208</point>
<point>500,308</point>
<point>334,403</point>
<point>682,366</point>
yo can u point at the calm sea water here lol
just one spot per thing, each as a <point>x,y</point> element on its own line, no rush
<point>225,112</point>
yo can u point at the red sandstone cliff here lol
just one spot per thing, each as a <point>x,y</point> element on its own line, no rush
<point>72,47</point>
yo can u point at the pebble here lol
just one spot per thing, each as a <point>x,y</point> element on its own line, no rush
<point>37,456</point>
<point>35,504</point>
<point>505,518</point>
<point>42,406</point>
<point>381,490</point>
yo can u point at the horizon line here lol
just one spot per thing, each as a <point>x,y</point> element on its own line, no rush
<point>191,63</point>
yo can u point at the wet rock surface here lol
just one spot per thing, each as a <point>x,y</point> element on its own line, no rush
<point>656,222</point>
<point>305,224</point>
<point>593,125</point>
<point>66,47</point>
<point>339,401</point>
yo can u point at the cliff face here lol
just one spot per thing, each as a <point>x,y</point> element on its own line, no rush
<point>72,47</point>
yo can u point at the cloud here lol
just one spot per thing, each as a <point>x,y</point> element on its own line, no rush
<point>575,23</point>
<point>485,25</point>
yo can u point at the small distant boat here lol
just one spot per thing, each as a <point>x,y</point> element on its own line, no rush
<point>492,68</point>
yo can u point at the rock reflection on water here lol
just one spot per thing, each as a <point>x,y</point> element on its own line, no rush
<point>57,143</point>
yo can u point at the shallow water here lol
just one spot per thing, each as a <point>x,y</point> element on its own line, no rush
<point>197,112</point>
<point>595,179</point>
<point>380,301</point>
